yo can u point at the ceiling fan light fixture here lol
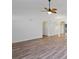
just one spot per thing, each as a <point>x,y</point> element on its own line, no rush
<point>49,12</point>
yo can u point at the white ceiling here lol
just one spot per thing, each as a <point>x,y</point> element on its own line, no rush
<point>36,6</point>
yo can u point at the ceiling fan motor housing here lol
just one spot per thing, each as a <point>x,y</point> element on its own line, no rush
<point>49,9</point>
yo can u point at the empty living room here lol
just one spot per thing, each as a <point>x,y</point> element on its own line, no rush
<point>39,29</point>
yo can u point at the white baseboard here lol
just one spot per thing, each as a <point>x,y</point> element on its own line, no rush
<point>32,38</point>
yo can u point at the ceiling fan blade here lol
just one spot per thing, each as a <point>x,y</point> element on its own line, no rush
<point>54,12</point>
<point>46,9</point>
<point>54,9</point>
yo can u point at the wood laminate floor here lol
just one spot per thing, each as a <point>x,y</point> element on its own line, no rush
<point>53,47</point>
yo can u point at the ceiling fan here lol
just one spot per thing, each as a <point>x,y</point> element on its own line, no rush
<point>51,10</point>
